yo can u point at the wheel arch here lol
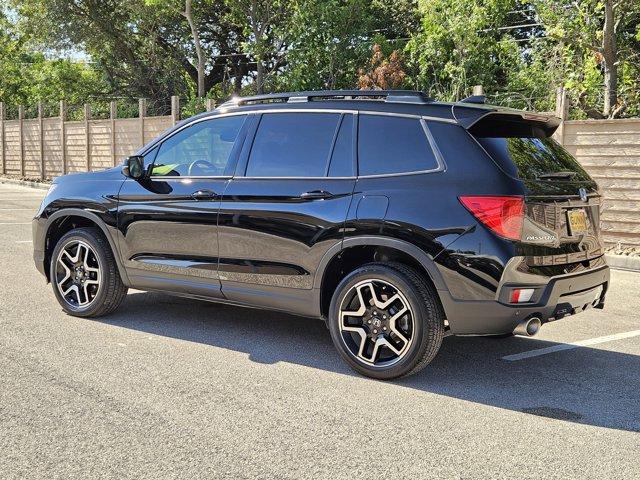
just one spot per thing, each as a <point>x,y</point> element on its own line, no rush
<point>332,260</point>
<point>57,225</point>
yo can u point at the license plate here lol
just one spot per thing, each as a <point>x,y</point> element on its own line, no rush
<point>577,220</point>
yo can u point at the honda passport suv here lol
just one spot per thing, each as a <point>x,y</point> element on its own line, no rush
<point>395,218</point>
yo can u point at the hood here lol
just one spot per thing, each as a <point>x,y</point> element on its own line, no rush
<point>109,174</point>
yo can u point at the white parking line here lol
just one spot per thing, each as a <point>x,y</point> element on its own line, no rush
<point>24,241</point>
<point>12,209</point>
<point>570,346</point>
<point>15,223</point>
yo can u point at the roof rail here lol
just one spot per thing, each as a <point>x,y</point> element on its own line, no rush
<point>394,96</point>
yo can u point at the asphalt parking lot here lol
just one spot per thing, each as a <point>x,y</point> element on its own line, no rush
<point>168,387</point>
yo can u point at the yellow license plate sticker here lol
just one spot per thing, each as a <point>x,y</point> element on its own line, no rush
<point>577,221</point>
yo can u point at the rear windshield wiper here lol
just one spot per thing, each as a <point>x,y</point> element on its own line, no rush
<point>556,175</point>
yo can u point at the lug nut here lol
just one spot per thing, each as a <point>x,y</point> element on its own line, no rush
<point>375,331</point>
<point>384,328</point>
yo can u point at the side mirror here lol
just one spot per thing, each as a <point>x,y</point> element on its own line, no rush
<point>134,167</point>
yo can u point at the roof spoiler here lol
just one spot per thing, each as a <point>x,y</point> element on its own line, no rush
<point>477,119</point>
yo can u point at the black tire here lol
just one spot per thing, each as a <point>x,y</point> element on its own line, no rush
<point>111,291</point>
<point>426,311</point>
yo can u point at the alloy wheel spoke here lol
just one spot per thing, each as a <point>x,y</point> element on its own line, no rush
<point>370,330</point>
<point>87,267</point>
<point>80,280</point>
<point>67,274</point>
<point>385,305</point>
<point>67,256</point>
<point>394,328</point>
<point>362,309</point>
<point>86,293</point>
<point>73,289</point>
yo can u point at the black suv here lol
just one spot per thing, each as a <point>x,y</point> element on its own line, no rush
<point>396,218</point>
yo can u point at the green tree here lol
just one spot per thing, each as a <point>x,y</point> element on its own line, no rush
<point>28,76</point>
<point>144,49</point>
<point>328,41</point>
<point>594,48</point>
<point>459,45</point>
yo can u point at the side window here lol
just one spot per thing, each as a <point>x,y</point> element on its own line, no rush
<point>292,145</point>
<point>342,156</point>
<point>388,144</point>
<point>202,149</point>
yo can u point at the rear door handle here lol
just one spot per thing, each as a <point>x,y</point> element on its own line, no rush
<point>316,194</point>
<point>203,195</point>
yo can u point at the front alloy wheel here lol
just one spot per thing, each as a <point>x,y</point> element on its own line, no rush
<point>84,274</point>
<point>77,274</point>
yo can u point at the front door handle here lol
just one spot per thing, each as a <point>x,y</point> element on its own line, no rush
<point>203,195</point>
<point>316,195</point>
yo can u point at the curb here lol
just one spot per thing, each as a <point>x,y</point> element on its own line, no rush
<point>25,183</point>
<point>623,262</point>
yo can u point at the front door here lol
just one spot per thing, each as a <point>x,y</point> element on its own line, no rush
<point>285,208</point>
<point>168,221</point>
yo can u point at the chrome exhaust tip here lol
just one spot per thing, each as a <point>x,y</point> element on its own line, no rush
<point>528,327</point>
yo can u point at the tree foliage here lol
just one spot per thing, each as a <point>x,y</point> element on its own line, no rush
<point>383,73</point>
<point>28,76</point>
<point>521,51</point>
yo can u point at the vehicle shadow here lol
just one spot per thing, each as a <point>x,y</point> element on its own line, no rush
<point>585,385</point>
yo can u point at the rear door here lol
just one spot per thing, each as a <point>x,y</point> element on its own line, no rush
<point>562,209</point>
<point>286,207</point>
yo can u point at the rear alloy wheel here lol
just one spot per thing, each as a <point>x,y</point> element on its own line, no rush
<point>376,322</point>
<point>84,274</point>
<point>386,321</point>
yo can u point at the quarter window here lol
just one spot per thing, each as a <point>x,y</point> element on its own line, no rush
<point>202,149</point>
<point>388,145</point>
<point>292,145</point>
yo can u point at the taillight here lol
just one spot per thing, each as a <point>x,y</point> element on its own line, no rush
<point>503,215</point>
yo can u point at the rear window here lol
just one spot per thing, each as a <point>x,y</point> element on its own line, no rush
<point>525,151</point>
<point>388,145</point>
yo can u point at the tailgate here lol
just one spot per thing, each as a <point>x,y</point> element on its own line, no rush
<point>562,208</point>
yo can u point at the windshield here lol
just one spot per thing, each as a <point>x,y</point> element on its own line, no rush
<point>534,158</point>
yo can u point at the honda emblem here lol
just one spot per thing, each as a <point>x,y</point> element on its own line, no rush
<point>583,194</point>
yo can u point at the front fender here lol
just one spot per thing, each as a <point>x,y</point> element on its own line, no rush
<point>42,228</point>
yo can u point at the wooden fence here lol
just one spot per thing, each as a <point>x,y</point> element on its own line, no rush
<point>610,151</point>
<point>47,147</point>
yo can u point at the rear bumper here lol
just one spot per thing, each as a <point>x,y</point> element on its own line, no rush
<point>562,295</point>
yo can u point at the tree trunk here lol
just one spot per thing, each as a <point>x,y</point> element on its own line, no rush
<point>196,41</point>
<point>610,55</point>
<point>259,76</point>
<point>254,16</point>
